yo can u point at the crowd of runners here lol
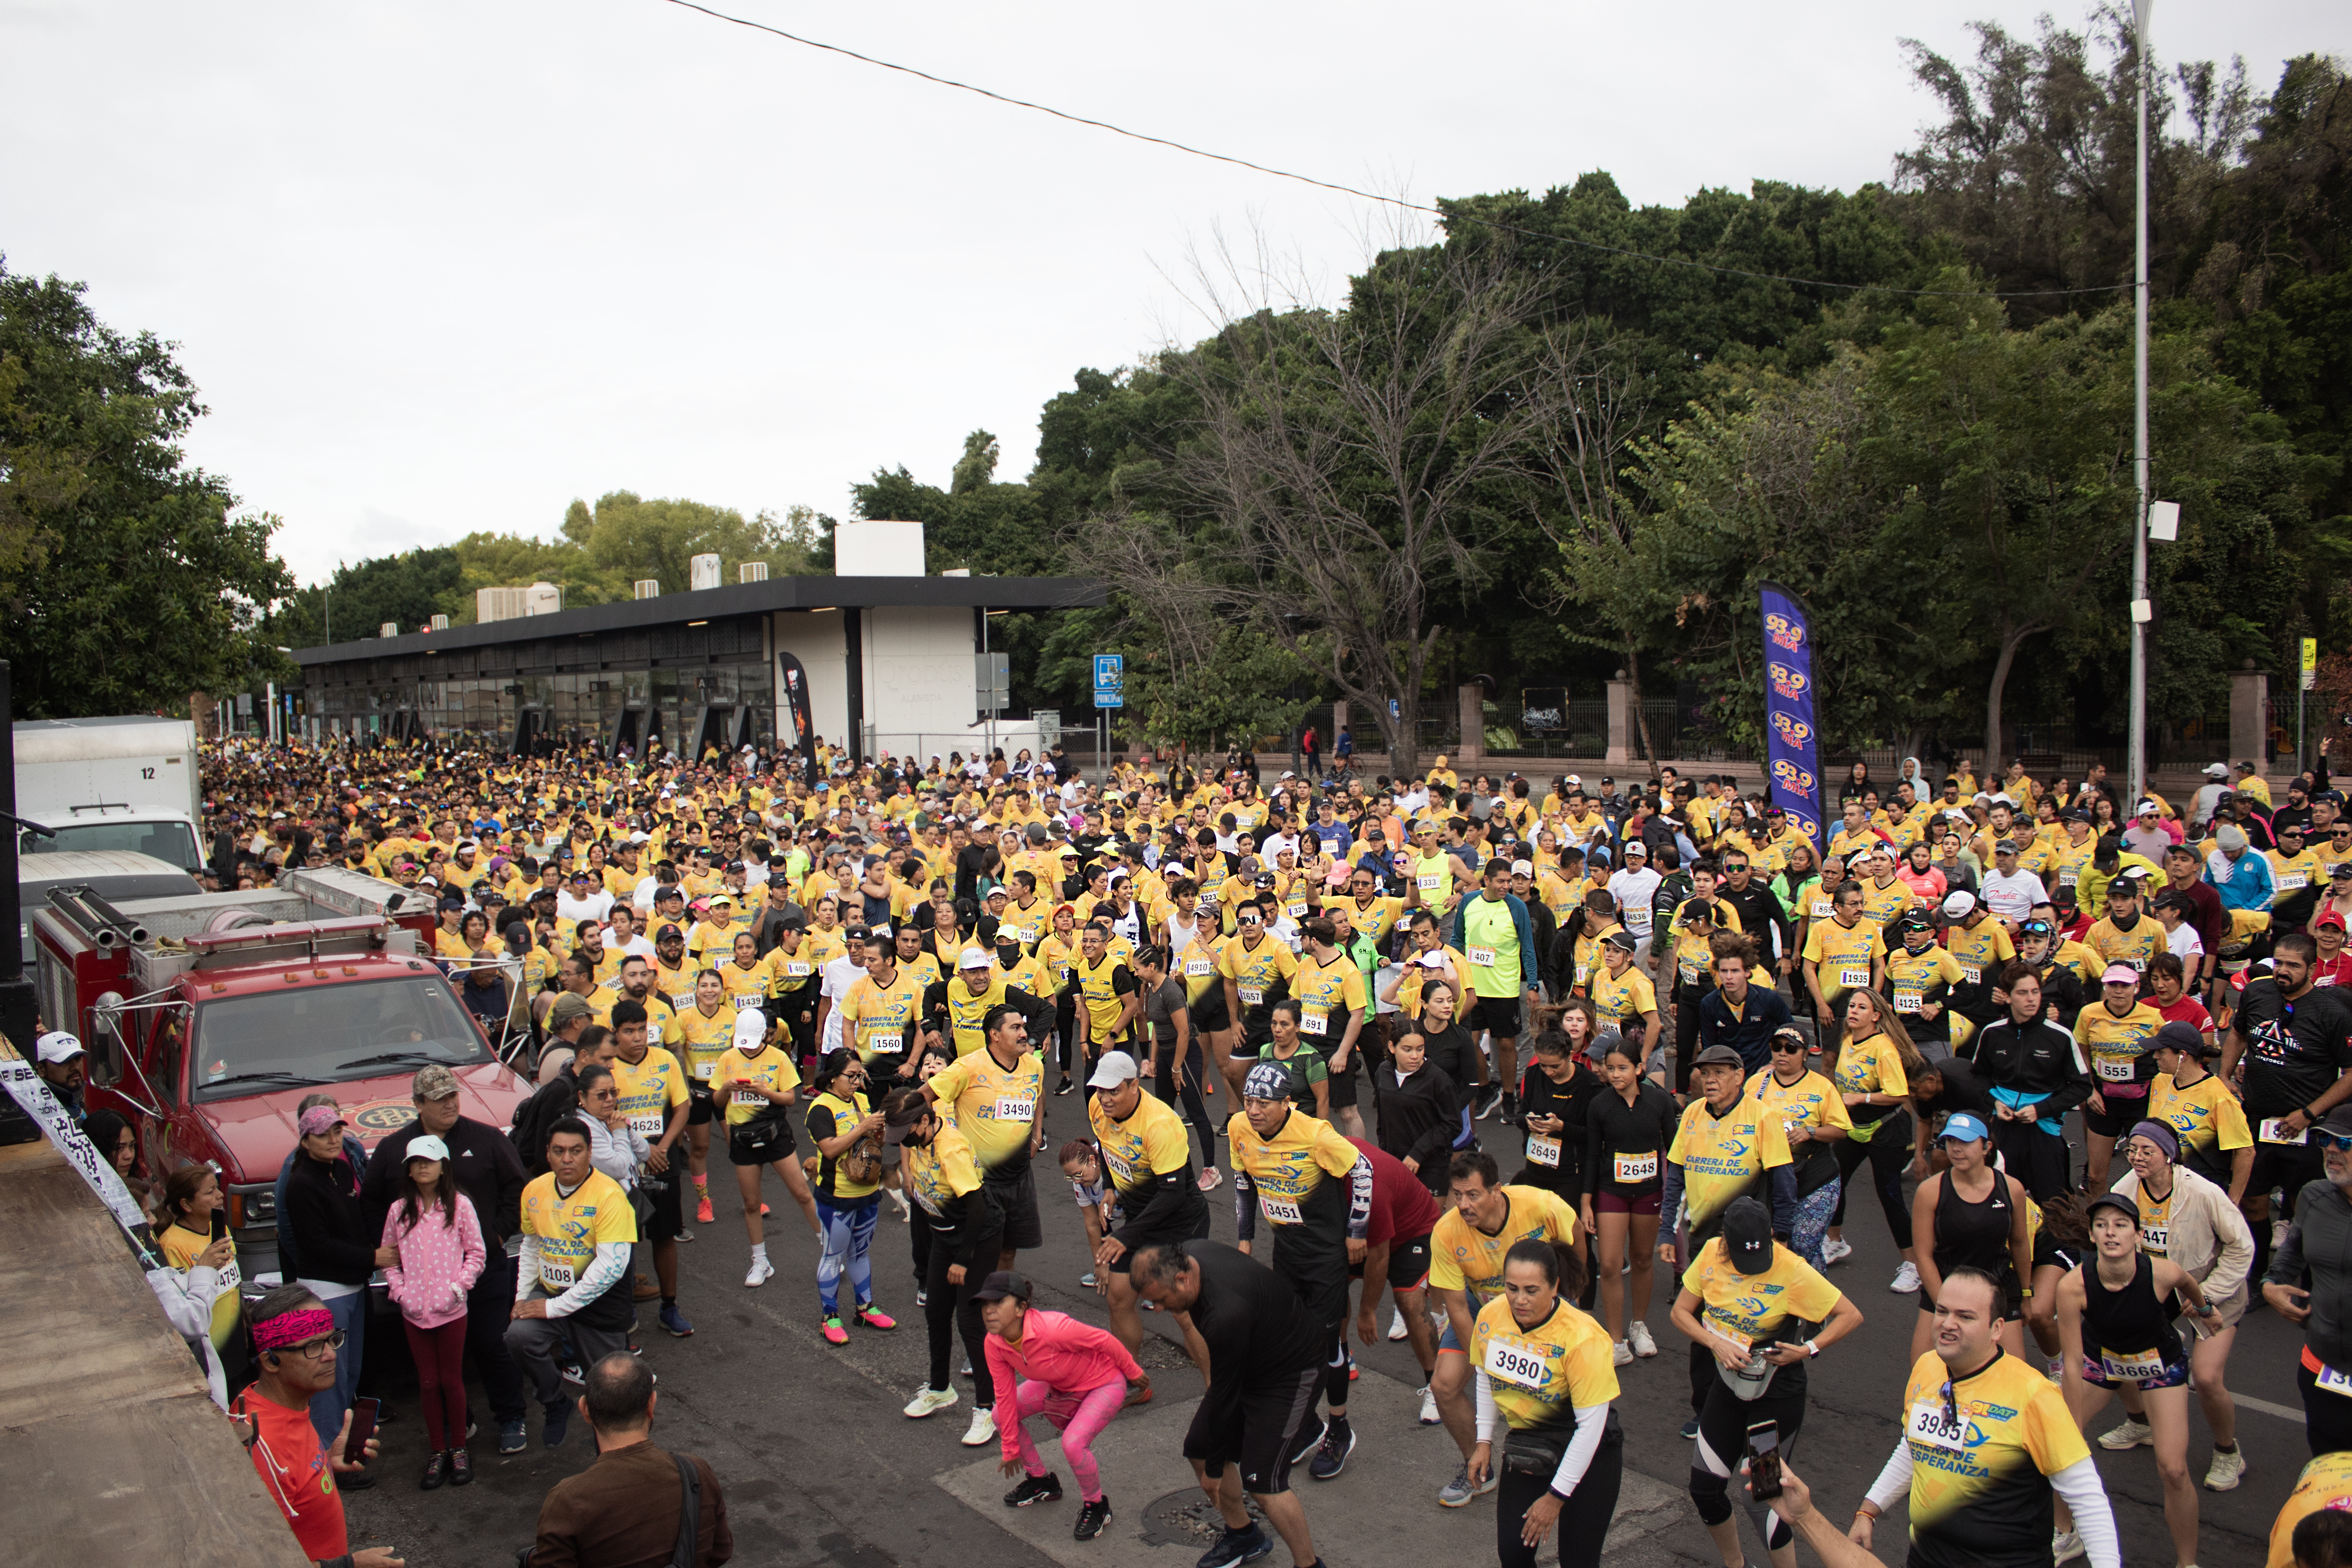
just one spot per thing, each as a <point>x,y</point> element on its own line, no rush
<point>2085,1055</point>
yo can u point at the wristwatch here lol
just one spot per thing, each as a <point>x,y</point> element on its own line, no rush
<point>1812,1349</point>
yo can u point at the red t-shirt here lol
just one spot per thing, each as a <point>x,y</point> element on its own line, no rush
<point>2337,970</point>
<point>1403,1209</point>
<point>292,1464</point>
<point>2189,1011</point>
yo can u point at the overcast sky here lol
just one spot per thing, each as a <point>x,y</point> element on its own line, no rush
<point>441,267</point>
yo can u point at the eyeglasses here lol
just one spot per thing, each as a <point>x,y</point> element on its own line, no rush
<point>2340,1142</point>
<point>313,1348</point>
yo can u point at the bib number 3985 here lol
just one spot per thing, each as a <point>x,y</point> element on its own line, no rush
<point>1929,1425</point>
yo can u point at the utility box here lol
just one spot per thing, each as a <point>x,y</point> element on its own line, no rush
<point>702,572</point>
<point>877,549</point>
<point>648,588</point>
<point>752,572</point>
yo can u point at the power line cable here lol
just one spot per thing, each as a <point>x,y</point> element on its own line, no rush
<point>1397,202</point>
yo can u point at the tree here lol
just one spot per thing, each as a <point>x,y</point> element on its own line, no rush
<point>1347,464</point>
<point>130,584</point>
<point>405,589</point>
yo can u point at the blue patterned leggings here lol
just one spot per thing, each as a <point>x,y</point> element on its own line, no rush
<point>1813,1211</point>
<point>848,1233</point>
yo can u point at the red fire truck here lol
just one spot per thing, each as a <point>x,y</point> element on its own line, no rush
<point>208,1016</point>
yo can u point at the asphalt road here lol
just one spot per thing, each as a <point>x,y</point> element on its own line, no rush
<point>819,1466</point>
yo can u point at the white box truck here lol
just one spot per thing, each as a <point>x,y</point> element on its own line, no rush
<point>111,784</point>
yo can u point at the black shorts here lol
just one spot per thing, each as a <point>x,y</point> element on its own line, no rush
<point>777,1146</point>
<point>2292,1166</point>
<point>1208,1014</point>
<point>1260,1431</point>
<point>1017,1202</point>
<point>667,1198</point>
<point>1499,1016</point>
<point>1342,1082</point>
<point>1407,1263</point>
<point>2119,1117</point>
<point>2049,1253</point>
<point>699,1106</point>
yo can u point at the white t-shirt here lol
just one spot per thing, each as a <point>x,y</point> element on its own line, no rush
<point>2185,943</point>
<point>2012,897</point>
<point>595,907</point>
<point>840,974</point>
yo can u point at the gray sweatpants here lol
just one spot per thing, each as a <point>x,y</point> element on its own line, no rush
<point>533,1341</point>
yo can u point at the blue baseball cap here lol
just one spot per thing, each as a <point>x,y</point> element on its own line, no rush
<point>1965,1127</point>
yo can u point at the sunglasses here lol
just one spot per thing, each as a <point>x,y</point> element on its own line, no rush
<point>2340,1142</point>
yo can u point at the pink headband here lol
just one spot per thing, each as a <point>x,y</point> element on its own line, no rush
<point>288,1328</point>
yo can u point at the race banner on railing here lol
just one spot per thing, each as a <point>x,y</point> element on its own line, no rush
<point>25,1086</point>
<point>1789,727</point>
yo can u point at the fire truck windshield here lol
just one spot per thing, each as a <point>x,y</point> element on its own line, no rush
<point>330,1034</point>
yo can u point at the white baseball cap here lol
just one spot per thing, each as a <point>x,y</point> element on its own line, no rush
<point>1957,905</point>
<point>750,1029</point>
<point>58,1046</point>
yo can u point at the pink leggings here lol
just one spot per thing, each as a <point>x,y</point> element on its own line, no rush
<point>1079,1417</point>
<point>440,1357</point>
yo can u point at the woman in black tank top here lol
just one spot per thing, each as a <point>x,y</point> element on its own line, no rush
<point>2114,1317</point>
<point>1970,1214</point>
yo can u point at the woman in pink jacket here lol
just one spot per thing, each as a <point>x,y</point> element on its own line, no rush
<point>1073,1373</point>
<point>439,1239</point>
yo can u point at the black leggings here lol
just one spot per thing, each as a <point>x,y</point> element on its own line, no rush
<point>2326,1418</point>
<point>1196,1110</point>
<point>948,1310</point>
<point>1723,1427</point>
<point>1889,1154</point>
<point>1583,1517</point>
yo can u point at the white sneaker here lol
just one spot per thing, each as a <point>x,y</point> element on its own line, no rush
<point>1429,1416</point>
<point>927,1401</point>
<point>2132,1434</point>
<point>1619,1355</point>
<point>1834,1250</point>
<point>1396,1324</point>
<point>1637,1336</point>
<point>982,1430</point>
<point>2228,1468</point>
<point>2064,1546</point>
<point>1907,1280</point>
<point>761,1272</point>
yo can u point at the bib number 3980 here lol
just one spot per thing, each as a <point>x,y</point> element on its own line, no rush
<point>1515,1363</point>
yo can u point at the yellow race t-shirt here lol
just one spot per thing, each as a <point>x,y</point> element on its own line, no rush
<point>767,1068</point>
<point>2209,1118</point>
<point>1743,1310</point>
<point>2326,1483</point>
<point>569,1229</point>
<point>991,1105</point>
<point>1151,1143</point>
<point>181,1249</point>
<point>705,1039</point>
<point>1463,1257</point>
<point>1722,1156</point>
<point>1980,1464</point>
<point>648,1089</point>
<point>1542,1376</point>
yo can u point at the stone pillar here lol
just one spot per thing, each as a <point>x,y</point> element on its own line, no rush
<point>2249,716</point>
<point>1339,722</point>
<point>1470,702</point>
<point>1622,729</point>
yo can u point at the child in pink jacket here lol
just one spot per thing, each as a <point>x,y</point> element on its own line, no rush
<point>1076,1375</point>
<point>433,1228</point>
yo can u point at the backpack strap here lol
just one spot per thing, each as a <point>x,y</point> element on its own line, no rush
<point>689,1517</point>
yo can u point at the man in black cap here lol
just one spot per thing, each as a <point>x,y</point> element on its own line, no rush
<point>1268,1353</point>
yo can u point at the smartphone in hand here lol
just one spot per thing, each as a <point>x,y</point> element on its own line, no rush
<point>362,1428</point>
<point>220,1224</point>
<point>1764,1461</point>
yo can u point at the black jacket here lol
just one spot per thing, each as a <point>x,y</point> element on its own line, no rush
<point>2038,1057</point>
<point>485,1162</point>
<point>1419,1118</point>
<point>330,1222</point>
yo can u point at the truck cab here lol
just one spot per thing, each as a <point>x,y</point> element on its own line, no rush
<point>125,783</point>
<point>208,1017</point>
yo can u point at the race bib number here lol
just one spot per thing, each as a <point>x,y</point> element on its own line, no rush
<point>1906,999</point>
<point>1929,1425</point>
<point>1972,972</point>
<point>681,1000</point>
<point>1512,1362</point>
<point>2068,878</point>
<point>1631,1168</point>
<point>1313,1022</point>
<point>2334,1380</point>
<point>1741,1343</point>
<point>2114,1069</point>
<point>703,1067</point>
<point>2273,1130</point>
<point>2132,1365</point>
<point>1298,908</point>
<point>1688,970</point>
<point>556,1276</point>
<point>1120,1168</point>
<point>230,1276</point>
<point>2289,881</point>
<point>648,1123</point>
<point>743,999</point>
<point>1637,920</point>
<point>1822,909</point>
<point>1198,969</point>
<point>1853,977</point>
<point>2153,1240</point>
<point>1429,881</point>
<point>1582,972</point>
<point>1251,995</point>
<point>795,969</point>
<point>1543,1150</point>
<point>1483,957</point>
<point>1014,1108</point>
<point>1280,1211</point>
<point>884,1044</point>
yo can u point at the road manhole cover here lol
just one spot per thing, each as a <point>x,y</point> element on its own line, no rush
<point>1188,1518</point>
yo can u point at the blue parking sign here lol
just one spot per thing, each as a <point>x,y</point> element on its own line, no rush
<point>1110,681</point>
